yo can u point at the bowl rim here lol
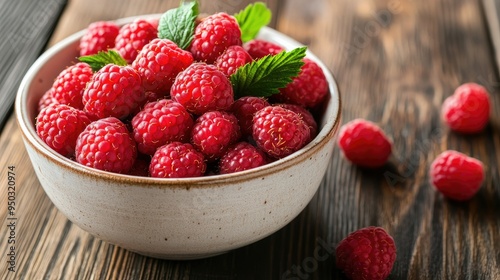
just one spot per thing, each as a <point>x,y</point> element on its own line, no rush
<point>30,136</point>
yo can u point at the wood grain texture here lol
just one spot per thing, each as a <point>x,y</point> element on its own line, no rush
<point>395,62</point>
<point>22,40</point>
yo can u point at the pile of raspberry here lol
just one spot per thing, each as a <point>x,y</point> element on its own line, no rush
<point>172,112</point>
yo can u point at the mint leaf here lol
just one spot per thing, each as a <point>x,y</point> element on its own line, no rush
<point>102,58</point>
<point>264,77</point>
<point>252,19</point>
<point>177,24</point>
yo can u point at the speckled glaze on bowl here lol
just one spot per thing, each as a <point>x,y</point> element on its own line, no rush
<point>174,218</point>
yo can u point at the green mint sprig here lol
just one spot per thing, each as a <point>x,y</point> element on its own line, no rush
<point>264,77</point>
<point>252,19</point>
<point>178,24</point>
<point>102,58</point>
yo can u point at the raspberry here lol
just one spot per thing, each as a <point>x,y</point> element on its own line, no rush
<point>279,132</point>
<point>366,254</point>
<point>99,36</point>
<point>133,37</point>
<point>154,22</point>
<point>213,132</point>
<point>233,58</point>
<point>456,175</point>
<point>159,123</point>
<point>258,48</point>
<point>159,62</point>
<point>106,145</point>
<point>46,100</point>
<point>308,89</point>
<point>201,88</point>
<point>241,156</point>
<point>244,108</point>
<point>59,125</point>
<point>468,109</point>
<point>177,160</point>
<point>113,91</point>
<point>69,85</point>
<point>364,143</point>
<point>213,35</point>
<point>306,116</point>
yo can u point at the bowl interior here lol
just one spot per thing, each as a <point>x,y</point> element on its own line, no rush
<point>41,75</point>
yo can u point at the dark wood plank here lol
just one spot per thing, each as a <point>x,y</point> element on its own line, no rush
<point>492,15</point>
<point>26,28</point>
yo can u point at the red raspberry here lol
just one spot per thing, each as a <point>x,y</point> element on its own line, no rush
<point>159,123</point>
<point>213,132</point>
<point>99,36</point>
<point>241,156</point>
<point>154,22</point>
<point>114,91</point>
<point>366,254</point>
<point>468,109</point>
<point>306,116</point>
<point>201,88</point>
<point>59,125</point>
<point>308,89</point>
<point>456,175</point>
<point>107,145</point>
<point>133,37</point>
<point>213,35</point>
<point>244,108</point>
<point>69,85</point>
<point>233,58</point>
<point>259,48</point>
<point>279,132</point>
<point>46,100</point>
<point>151,96</point>
<point>364,143</point>
<point>159,62</point>
<point>177,160</point>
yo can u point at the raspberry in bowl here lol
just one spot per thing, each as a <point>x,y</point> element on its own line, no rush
<point>176,218</point>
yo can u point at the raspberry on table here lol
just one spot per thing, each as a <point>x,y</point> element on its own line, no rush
<point>366,254</point>
<point>456,175</point>
<point>305,115</point>
<point>177,160</point>
<point>99,36</point>
<point>279,132</point>
<point>132,37</point>
<point>364,143</point>
<point>159,123</point>
<point>213,35</point>
<point>213,133</point>
<point>69,85</point>
<point>59,125</point>
<point>241,156</point>
<point>113,91</point>
<point>258,48</point>
<point>308,89</point>
<point>244,108</point>
<point>231,59</point>
<point>201,88</point>
<point>106,144</point>
<point>468,109</point>
<point>159,62</point>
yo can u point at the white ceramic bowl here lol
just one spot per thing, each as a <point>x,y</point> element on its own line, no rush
<point>175,218</point>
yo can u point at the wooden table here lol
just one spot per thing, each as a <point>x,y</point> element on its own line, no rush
<point>395,62</point>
